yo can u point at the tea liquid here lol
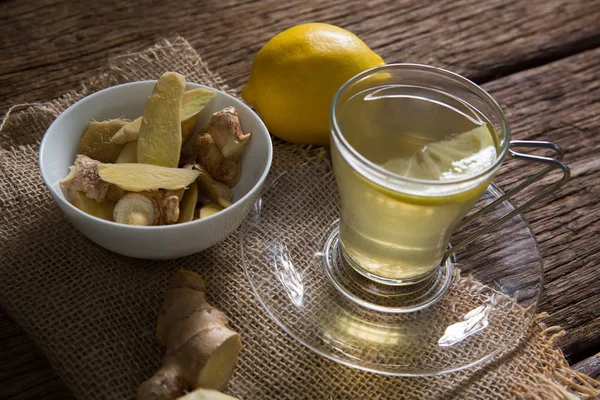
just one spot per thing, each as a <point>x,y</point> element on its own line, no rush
<point>434,142</point>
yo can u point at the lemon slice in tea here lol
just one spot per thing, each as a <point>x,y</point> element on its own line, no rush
<point>460,156</point>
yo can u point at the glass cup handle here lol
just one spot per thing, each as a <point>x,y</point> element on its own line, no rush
<point>552,163</point>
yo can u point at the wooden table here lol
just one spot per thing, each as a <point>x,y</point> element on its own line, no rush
<point>539,58</point>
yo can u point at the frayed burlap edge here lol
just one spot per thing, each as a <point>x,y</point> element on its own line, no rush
<point>111,74</point>
<point>557,379</point>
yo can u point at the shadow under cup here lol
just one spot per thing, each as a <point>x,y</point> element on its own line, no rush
<point>394,229</point>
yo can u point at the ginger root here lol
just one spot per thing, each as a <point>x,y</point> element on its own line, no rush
<point>206,394</point>
<point>188,127</point>
<point>208,209</point>
<point>128,154</point>
<point>160,207</point>
<point>84,177</point>
<point>141,177</point>
<point>216,191</point>
<point>188,204</point>
<point>192,103</point>
<point>220,144</point>
<point>128,133</point>
<point>226,130</point>
<point>96,142</point>
<point>212,159</point>
<point>102,210</point>
<point>159,141</point>
<point>201,351</point>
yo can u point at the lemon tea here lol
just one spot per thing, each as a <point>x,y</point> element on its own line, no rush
<point>410,162</point>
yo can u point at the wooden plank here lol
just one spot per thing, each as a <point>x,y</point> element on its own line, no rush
<point>590,366</point>
<point>49,46</point>
<point>25,372</point>
<point>560,102</point>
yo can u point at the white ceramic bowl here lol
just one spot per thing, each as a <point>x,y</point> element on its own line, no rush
<point>59,148</point>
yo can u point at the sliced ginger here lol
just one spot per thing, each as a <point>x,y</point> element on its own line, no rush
<point>206,394</point>
<point>209,209</point>
<point>226,131</point>
<point>159,207</point>
<point>159,141</point>
<point>188,203</point>
<point>200,349</point>
<point>96,142</point>
<point>102,209</point>
<point>192,102</point>
<point>128,154</point>
<point>216,191</point>
<point>140,177</point>
<point>219,146</point>
<point>83,176</point>
<point>188,127</point>
<point>128,133</point>
<point>134,209</point>
<point>212,159</point>
<point>127,172</point>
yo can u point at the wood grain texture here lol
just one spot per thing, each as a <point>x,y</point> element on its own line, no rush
<point>589,366</point>
<point>25,373</point>
<point>560,102</point>
<point>49,46</point>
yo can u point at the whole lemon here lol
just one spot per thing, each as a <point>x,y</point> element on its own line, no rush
<point>296,74</point>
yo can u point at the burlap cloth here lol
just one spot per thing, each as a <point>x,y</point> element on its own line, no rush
<point>93,312</point>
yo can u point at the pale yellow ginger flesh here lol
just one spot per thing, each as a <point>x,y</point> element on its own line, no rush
<point>157,207</point>
<point>84,177</point>
<point>216,191</point>
<point>103,209</point>
<point>206,394</point>
<point>138,219</point>
<point>128,133</point>
<point>128,154</point>
<point>159,141</point>
<point>200,349</point>
<point>95,142</point>
<point>226,130</point>
<point>188,127</point>
<point>209,209</point>
<point>140,177</point>
<point>134,209</point>
<point>193,101</point>
<point>188,203</point>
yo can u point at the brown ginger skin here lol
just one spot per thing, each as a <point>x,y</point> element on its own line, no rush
<point>222,169</point>
<point>192,331</point>
<point>220,144</point>
<point>226,130</point>
<point>83,176</point>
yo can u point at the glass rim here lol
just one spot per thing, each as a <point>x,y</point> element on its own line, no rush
<point>372,167</point>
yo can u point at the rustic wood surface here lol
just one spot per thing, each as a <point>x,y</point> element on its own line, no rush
<point>539,58</point>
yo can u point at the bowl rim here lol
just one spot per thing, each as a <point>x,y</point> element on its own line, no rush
<point>59,197</point>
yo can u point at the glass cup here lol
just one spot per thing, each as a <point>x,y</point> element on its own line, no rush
<point>396,229</point>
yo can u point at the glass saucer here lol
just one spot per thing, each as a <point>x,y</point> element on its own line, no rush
<point>481,301</point>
